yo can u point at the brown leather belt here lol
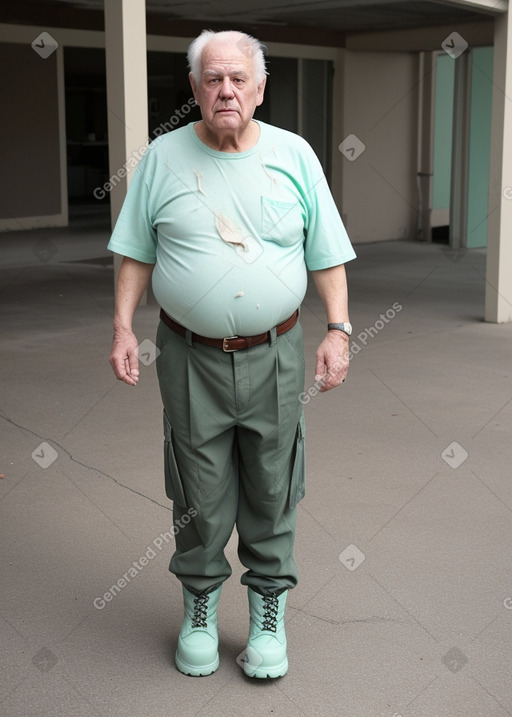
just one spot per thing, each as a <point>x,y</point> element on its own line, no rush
<point>231,343</point>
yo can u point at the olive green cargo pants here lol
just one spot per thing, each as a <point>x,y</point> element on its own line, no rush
<point>234,455</point>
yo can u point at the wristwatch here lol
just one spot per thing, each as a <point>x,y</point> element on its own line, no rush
<point>346,328</point>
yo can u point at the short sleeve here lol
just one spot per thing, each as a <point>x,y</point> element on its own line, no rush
<point>327,243</point>
<point>134,235</point>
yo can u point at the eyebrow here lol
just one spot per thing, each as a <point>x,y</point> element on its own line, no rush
<point>220,73</point>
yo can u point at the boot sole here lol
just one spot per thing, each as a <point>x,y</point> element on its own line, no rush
<point>264,673</point>
<point>196,670</point>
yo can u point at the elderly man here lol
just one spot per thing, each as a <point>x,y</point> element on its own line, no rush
<point>226,214</point>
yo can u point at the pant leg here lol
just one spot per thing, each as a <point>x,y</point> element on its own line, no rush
<point>217,405</point>
<point>270,437</point>
<point>199,452</point>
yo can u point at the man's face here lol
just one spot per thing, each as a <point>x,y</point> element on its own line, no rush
<point>227,93</point>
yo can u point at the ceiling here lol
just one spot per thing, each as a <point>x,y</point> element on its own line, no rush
<point>343,16</point>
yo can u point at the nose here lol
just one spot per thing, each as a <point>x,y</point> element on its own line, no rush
<point>226,90</point>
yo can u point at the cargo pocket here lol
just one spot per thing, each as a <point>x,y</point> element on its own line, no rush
<point>298,481</point>
<point>173,485</point>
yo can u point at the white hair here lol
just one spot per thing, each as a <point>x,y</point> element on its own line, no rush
<point>246,43</point>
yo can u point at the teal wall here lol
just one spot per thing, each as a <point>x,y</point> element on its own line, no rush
<point>480,146</point>
<point>479,140</point>
<point>443,121</point>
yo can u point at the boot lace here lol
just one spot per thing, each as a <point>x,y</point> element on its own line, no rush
<point>271,605</point>
<point>200,611</point>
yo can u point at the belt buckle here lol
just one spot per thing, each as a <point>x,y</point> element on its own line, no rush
<point>225,346</point>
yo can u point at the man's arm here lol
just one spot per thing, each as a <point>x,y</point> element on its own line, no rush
<point>332,355</point>
<point>132,281</point>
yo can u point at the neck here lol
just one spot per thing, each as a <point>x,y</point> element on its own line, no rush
<point>229,140</point>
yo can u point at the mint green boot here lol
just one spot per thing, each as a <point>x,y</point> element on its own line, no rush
<point>198,641</point>
<point>265,655</point>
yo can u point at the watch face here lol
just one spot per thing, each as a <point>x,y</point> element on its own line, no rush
<point>348,328</point>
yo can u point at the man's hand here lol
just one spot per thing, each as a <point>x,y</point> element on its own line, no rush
<point>132,281</point>
<point>332,360</point>
<point>124,356</point>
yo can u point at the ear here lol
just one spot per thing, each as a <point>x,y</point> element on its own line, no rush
<point>260,92</point>
<point>193,84</point>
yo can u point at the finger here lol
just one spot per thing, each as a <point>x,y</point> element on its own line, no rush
<point>127,375</point>
<point>118,366</point>
<point>335,375</point>
<point>327,383</point>
<point>320,368</point>
<point>340,379</point>
<point>121,370</point>
<point>133,364</point>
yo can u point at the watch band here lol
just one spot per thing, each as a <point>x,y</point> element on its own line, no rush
<point>345,327</point>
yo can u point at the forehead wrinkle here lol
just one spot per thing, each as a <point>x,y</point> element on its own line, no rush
<point>224,71</point>
<point>227,58</point>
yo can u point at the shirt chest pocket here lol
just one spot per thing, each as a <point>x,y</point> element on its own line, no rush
<point>282,222</point>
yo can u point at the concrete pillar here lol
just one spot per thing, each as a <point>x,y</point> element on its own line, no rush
<point>427,66</point>
<point>127,92</point>
<point>460,151</point>
<point>498,294</point>
<point>338,130</point>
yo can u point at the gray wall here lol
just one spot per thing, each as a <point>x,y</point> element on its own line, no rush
<point>377,101</point>
<point>29,134</point>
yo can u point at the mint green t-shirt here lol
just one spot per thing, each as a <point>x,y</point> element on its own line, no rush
<point>231,233</point>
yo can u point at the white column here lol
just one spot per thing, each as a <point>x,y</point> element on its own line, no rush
<point>127,92</point>
<point>498,294</point>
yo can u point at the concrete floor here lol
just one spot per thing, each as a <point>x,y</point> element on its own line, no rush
<point>404,604</point>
